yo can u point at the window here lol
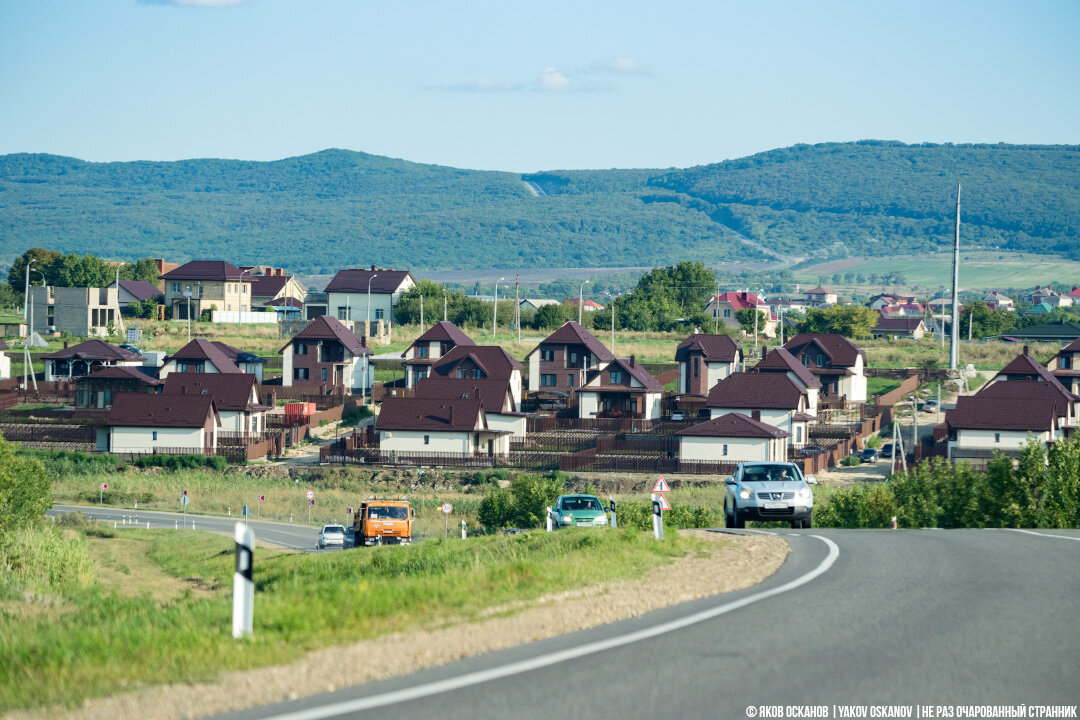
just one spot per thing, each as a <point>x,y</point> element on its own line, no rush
<point>324,374</point>
<point>1066,362</point>
<point>806,360</point>
<point>427,439</point>
<point>798,433</point>
<point>108,399</point>
<point>616,377</point>
<point>725,449</point>
<point>300,373</point>
<point>570,381</point>
<point>997,437</point>
<point>421,351</point>
<point>378,314</point>
<point>697,366</point>
<point>419,374</point>
<point>547,380</point>
<point>343,313</point>
<point>461,372</point>
<point>155,434</point>
<point>176,287</point>
<point>301,348</point>
<point>547,355</point>
<point>727,312</point>
<point>821,361</point>
<point>573,357</point>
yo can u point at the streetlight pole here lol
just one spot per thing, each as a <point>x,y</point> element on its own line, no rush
<point>613,298</point>
<point>28,316</point>
<point>367,319</point>
<point>580,300</point>
<point>495,308</point>
<point>187,294</point>
<point>716,309</point>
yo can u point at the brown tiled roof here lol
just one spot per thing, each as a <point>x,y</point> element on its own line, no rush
<point>267,285</point>
<point>986,412</point>
<point>444,331</point>
<point>780,360</point>
<point>1027,366</point>
<point>206,270</point>
<point>124,372</point>
<point>153,410</point>
<point>94,350</point>
<point>715,348</point>
<point>284,302</point>
<point>648,382</point>
<point>354,280</point>
<point>230,391</point>
<point>571,333</point>
<point>237,355</point>
<point>1010,390</point>
<point>734,425</point>
<point>141,289</point>
<point>840,351</point>
<point>444,414</point>
<point>1074,346</point>
<point>330,328</point>
<point>492,359</point>
<point>905,324</point>
<point>203,349</point>
<point>767,391</point>
<point>494,394</point>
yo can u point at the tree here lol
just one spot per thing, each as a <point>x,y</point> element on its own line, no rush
<point>853,321</point>
<point>43,262</point>
<point>71,270</point>
<point>408,307</point>
<point>549,317</point>
<point>984,321</point>
<point>745,316</point>
<point>145,269</point>
<point>24,489</point>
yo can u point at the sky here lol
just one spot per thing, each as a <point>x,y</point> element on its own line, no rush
<point>518,86</point>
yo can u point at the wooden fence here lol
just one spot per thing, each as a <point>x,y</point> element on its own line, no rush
<point>52,432</point>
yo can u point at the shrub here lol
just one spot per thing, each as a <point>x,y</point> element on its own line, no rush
<point>850,460</point>
<point>524,504</point>
<point>181,462</point>
<point>874,441</point>
<point>43,560</point>
<point>24,489</point>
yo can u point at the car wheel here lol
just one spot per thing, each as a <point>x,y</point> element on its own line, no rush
<point>736,521</point>
<point>808,521</point>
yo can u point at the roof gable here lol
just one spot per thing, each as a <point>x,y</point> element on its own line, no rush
<point>840,351</point>
<point>444,331</point>
<point>141,290</point>
<point>733,425</point>
<point>203,349</point>
<point>95,350</point>
<point>230,391</point>
<point>714,348</point>
<point>494,394</point>
<point>327,327</point>
<point>207,270</point>
<point>495,362</point>
<point>646,381</point>
<point>780,360</point>
<point>268,285</point>
<point>1024,365</point>
<point>433,414</point>
<point>571,333</point>
<point>356,280</point>
<point>151,410</point>
<point>764,391</point>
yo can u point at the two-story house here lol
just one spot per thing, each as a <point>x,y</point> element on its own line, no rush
<point>998,301</point>
<point>1049,296</point>
<point>563,360</point>
<point>210,356</point>
<point>1065,366</point>
<point>145,423</point>
<point>236,398</point>
<point>96,390</point>
<point>733,438</point>
<point>836,361</point>
<point>705,360</point>
<point>621,389</point>
<point>438,425</point>
<point>430,347</point>
<point>899,328</point>
<point>820,297</point>
<point>272,286</point>
<point>367,295</point>
<point>86,357</point>
<point>877,302</point>
<point>496,398</point>
<point>725,307</point>
<point>1002,418</point>
<point>1026,368</point>
<point>327,352</point>
<point>479,362</point>
<point>81,311</point>
<point>768,397</point>
<point>130,292</point>
<point>206,285</point>
<point>782,362</point>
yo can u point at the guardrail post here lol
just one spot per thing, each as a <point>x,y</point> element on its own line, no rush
<point>549,519</point>
<point>614,520</point>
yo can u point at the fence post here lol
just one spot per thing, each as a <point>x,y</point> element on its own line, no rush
<point>549,519</point>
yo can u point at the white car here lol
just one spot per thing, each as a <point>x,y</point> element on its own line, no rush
<point>332,535</point>
<point>769,491</point>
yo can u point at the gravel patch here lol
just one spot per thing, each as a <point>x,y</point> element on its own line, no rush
<point>737,563</point>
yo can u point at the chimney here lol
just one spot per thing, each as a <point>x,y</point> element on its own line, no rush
<point>363,341</point>
<point>65,344</point>
<point>633,361</point>
<point>1026,350</point>
<point>764,352</point>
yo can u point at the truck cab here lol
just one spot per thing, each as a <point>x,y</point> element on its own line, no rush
<point>381,521</point>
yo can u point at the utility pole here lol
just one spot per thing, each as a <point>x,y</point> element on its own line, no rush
<point>971,321</point>
<point>613,323</point>
<point>954,349</point>
<point>580,300</point>
<point>716,310</point>
<point>517,306</point>
<point>495,308</point>
<point>444,304</point>
<point>421,312</point>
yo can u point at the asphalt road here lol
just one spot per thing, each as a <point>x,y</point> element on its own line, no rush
<point>917,617</point>
<point>294,537</point>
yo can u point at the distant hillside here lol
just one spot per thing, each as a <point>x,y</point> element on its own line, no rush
<point>337,208</point>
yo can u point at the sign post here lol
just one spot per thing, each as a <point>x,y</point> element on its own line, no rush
<point>463,532</point>
<point>243,583</point>
<point>310,502</point>
<point>183,506</point>
<point>549,519</point>
<point>258,508</point>
<point>246,511</point>
<point>446,509</point>
<point>101,492</point>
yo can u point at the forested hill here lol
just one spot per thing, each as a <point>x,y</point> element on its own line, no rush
<point>338,208</point>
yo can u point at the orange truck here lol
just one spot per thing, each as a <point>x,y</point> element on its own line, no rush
<point>383,522</point>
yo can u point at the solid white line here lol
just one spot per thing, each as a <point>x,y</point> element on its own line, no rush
<point>523,666</point>
<point>1049,535</point>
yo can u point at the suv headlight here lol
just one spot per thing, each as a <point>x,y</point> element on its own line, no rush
<point>601,520</point>
<point>744,494</point>
<point>804,493</point>
<point>566,520</point>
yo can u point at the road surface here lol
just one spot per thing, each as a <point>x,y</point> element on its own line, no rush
<point>294,537</point>
<point>909,618</point>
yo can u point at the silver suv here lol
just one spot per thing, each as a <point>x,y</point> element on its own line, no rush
<point>769,491</point>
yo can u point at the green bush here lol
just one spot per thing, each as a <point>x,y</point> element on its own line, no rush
<point>43,560</point>
<point>850,460</point>
<point>24,489</point>
<point>181,462</point>
<point>874,441</point>
<point>68,462</point>
<point>524,504</point>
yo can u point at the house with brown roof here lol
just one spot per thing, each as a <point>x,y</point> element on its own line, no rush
<point>327,352</point>
<point>782,362</point>
<point>206,285</point>
<point>86,357</point>
<point>587,305</point>
<point>562,361</point>
<point>271,286</point>
<point>878,302</point>
<point>135,291</point>
<point>236,398</point>
<point>733,437</point>
<point>1065,366</point>
<point>495,395</point>
<point>1026,368</point>
<point>896,328</point>
<point>725,307</point>
<point>210,356</point>
<point>820,297</point>
<point>999,301</point>
<point>96,390</point>
<point>836,361</point>
<point>438,425</point>
<point>704,360</point>
<point>430,347</point>
<point>770,397</point>
<point>362,294</point>
<point>479,362</point>
<point>145,423</point>
<point>620,389</point>
<point>1002,418</point>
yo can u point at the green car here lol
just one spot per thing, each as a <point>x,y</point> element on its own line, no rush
<point>579,511</point>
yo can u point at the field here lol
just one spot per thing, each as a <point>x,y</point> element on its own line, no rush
<point>979,269</point>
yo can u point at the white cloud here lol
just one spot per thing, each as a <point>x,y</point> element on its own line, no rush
<point>619,66</point>
<point>553,80</point>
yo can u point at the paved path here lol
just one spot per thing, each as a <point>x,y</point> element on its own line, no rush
<point>918,617</point>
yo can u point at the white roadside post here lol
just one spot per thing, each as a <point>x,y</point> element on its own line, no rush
<point>464,534</point>
<point>549,519</point>
<point>243,585</point>
<point>614,522</point>
<point>657,518</point>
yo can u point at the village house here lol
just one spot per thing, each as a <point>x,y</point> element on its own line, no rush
<point>733,438</point>
<point>206,285</point>
<point>236,398</point>
<point>903,310</point>
<point>1003,417</point>
<point>820,297</point>
<point>367,295</point>
<point>997,301</point>
<point>271,287</point>
<point>783,362</point>
<point>621,389</point>
<point>430,347</point>
<point>438,425</point>
<point>1049,296</point>
<point>1025,368</point>
<point>96,390</point>
<point>587,305</point>
<point>477,362</point>
<point>84,358</point>
<point>562,360</point>
<point>536,303</point>
<point>725,308</point>
<point>895,328</point>
<point>836,361</point>
<point>80,311</point>
<point>496,398</point>
<point>1065,366</point>
<point>210,356</point>
<point>145,423</point>
<point>132,292</point>
<point>326,352</point>
<point>705,360</point>
<point>877,302</point>
<point>769,397</point>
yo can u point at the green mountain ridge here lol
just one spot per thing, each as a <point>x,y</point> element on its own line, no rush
<point>340,208</point>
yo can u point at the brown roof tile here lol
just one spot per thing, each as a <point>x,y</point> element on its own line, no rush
<point>904,324</point>
<point>436,414</point>
<point>780,360</point>
<point>648,382</point>
<point>203,349</point>
<point>766,391</point>
<point>330,328</point>
<point>230,391</point>
<point>141,289</point>
<point>124,372</point>
<point>444,331</point>
<point>94,350</point>
<point>355,280</point>
<point>571,333</point>
<point>1023,365</point>
<point>494,394</point>
<point>206,270</point>
<point>715,348</point>
<point>492,359</point>
<point>267,285</point>
<point>153,410</point>
<point>987,412</point>
<point>841,352</point>
<point>734,425</point>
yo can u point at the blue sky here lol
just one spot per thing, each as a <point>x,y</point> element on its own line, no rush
<point>528,86</point>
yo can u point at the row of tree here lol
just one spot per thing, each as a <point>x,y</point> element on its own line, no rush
<point>74,270</point>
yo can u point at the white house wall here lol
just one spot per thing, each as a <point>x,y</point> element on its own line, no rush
<point>5,366</point>
<point>514,423</point>
<point>137,439</point>
<point>410,441</point>
<point>287,366</point>
<point>588,404</point>
<point>711,449</point>
<point>534,371</point>
<point>717,372</point>
<point>652,406</point>
<point>984,440</point>
<point>777,418</point>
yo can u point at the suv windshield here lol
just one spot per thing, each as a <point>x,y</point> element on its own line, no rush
<point>334,529</point>
<point>769,473</point>
<point>581,504</point>
<point>388,512</point>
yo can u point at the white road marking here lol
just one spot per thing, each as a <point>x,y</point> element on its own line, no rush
<point>1049,535</point>
<point>523,666</point>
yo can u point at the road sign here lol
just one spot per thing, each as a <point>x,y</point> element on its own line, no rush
<point>183,492</point>
<point>310,494</point>
<point>311,501</point>
<point>348,510</point>
<point>261,498</point>
<point>447,508</point>
<point>662,499</point>
<point>104,486</point>
<point>661,486</point>
<point>183,500</point>
<point>246,510</point>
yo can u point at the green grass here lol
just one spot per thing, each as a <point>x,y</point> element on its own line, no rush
<point>104,642</point>
<point>880,385</point>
